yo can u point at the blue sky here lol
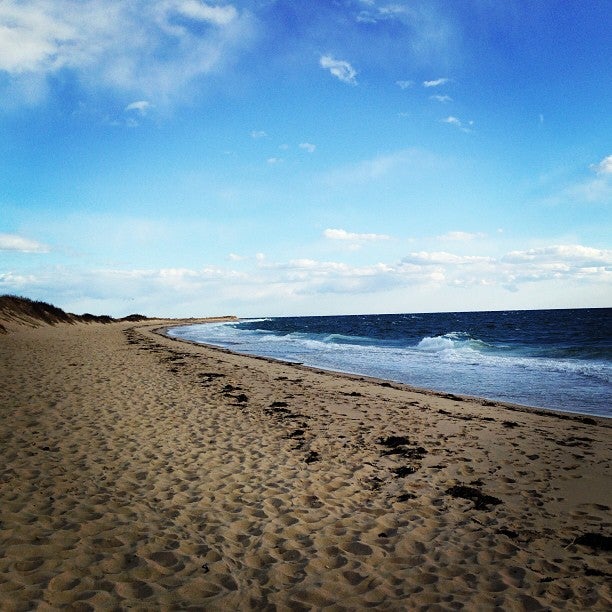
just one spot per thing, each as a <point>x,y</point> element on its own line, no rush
<point>261,157</point>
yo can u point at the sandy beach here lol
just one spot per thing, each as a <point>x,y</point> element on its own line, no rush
<point>139,472</point>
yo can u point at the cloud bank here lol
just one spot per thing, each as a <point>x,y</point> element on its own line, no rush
<point>264,284</point>
<point>142,47</point>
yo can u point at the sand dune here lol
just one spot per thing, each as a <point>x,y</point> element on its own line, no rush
<point>142,472</point>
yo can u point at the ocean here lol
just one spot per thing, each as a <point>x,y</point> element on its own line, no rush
<point>556,359</point>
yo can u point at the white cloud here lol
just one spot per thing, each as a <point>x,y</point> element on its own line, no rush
<point>258,134</point>
<point>393,10</point>
<point>567,263</point>
<point>410,161</point>
<point>573,253</point>
<point>340,234</point>
<point>561,263</point>
<point>604,166</point>
<point>12,242</point>
<point>274,160</point>
<point>570,264</point>
<point>11,281</point>
<point>596,191</point>
<point>308,277</point>
<point>113,44</point>
<point>312,264</point>
<point>365,17</point>
<point>593,190</point>
<point>452,121</point>
<point>441,257</point>
<point>340,69</point>
<point>307,146</point>
<point>31,36</point>
<point>441,99</point>
<point>141,106</point>
<point>436,82</point>
<point>458,123</point>
<point>219,15</point>
<point>374,14</point>
<point>460,236</point>
<point>404,84</point>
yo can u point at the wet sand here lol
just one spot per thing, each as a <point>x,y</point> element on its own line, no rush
<point>141,472</point>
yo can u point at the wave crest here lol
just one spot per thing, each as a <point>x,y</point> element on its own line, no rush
<point>450,341</point>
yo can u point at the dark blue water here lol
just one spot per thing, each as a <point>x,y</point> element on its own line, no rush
<point>558,359</point>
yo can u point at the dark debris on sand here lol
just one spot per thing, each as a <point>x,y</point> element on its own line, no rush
<point>398,445</point>
<point>405,497</point>
<point>312,457</point>
<point>408,453</point>
<point>280,410</point>
<point>597,541</point>
<point>481,501</point>
<point>404,470</point>
<point>393,441</point>
<point>209,377</point>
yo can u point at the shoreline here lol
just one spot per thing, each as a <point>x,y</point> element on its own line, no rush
<point>584,417</point>
<point>142,471</point>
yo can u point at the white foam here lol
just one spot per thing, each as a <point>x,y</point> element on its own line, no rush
<point>435,344</point>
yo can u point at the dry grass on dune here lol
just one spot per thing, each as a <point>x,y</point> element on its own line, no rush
<point>32,313</point>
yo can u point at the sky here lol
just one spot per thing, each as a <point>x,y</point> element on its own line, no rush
<point>285,157</point>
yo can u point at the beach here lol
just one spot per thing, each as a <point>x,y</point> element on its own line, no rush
<point>143,472</point>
